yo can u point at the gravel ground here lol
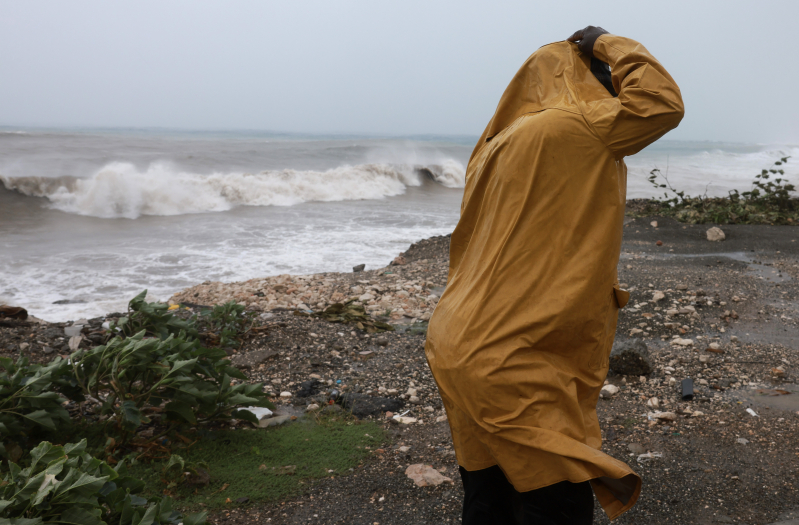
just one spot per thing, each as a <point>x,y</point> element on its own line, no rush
<point>722,313</point>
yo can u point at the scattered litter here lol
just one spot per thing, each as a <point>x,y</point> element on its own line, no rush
<point>74,342</point>
<point>742,441</point>
<point>751,412</point>
<point>687,389</point>
<point>649,456</point>
<point>259,412</point>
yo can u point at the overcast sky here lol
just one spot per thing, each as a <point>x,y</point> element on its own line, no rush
<point>409,67</point>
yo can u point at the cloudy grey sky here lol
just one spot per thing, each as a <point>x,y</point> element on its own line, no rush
<point>410,67</point>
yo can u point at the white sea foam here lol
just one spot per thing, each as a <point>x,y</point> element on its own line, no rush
<point>119,189</point>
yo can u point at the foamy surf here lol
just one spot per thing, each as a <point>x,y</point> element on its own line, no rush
<point>121,190</point>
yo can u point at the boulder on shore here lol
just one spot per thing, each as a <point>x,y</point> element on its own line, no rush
<point>630,358</point>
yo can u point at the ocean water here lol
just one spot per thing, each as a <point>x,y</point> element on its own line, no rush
<point>89,218</point>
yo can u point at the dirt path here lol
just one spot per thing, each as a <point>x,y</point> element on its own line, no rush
<point>714,462</point>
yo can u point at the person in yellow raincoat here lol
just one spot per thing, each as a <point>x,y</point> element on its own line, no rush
<point>519,343</point>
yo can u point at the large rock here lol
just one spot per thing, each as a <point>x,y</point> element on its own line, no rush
<point>362,405</point>
<point>425,475</point>
<point>715,234</point>
<point>630,358</point>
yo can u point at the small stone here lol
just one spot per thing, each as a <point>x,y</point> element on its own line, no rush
<point>658,296</point>
<point>714,346</point>
<point>659,243</point>
<point>415,400</point>
<point>653,402</point>
<point>404,449</point>
<point>742,441</point>
<point>663,416</point>
<point>312,407</point>
<point>23,346</point>
<point>411,392</point>
<point>358,268</point>
<point>405,420</point>
<point>636,448</point>
<point>672,312</point>
<point>715,234</point>
<point>425,475</point>
<point>609,391</point>
<point>285,394</point>
<point>441,419</point>
<point>704,358</point>
<point>47,350</point>
<point>682,342</point>
<point>381,341</point>
<point>654,224</point>
<point>682,286</point>
<point>399,261</point>
<point>365,298</point>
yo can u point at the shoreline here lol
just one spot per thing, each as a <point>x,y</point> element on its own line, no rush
<point>725,314</point>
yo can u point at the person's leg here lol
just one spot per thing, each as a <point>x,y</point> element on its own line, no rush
<point>488,497</point>
<point>563,503</point>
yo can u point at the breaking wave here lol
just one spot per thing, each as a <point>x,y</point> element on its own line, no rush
<point>121,190</point>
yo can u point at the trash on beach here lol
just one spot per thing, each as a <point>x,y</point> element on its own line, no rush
<point>742,441</point>
<point>74,342</point>
<point>259,412</point>
<point>649,456</point>
<point>687,389</point>
<point>752,412</point>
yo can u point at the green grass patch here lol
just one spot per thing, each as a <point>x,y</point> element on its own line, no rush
<point>267,464</point>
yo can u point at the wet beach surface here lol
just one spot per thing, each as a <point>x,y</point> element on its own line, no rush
<point>725,314</point>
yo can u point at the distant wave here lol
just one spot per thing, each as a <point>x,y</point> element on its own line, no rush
<point>119,189</point>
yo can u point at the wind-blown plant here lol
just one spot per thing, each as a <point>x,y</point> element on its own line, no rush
<point>154,318</point>
<point>67,485</point>
<point>188,382</point>
<point>769,201</point>
<point>28,401</point>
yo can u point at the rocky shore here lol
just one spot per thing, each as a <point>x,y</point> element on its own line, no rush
<point>723,313</point>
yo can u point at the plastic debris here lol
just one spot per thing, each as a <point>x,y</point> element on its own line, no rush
<point>687,389</point>
<point>649,456</point>
<point>751,412</point>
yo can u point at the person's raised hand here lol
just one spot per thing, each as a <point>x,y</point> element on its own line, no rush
<point>585,38</point>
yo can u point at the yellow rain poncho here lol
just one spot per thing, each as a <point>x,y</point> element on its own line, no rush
<point>519,343</point>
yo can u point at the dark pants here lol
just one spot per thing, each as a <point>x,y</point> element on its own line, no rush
<point>490,499</point>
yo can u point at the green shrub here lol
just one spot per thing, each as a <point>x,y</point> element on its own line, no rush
<point>28,401</point>
<point>154,318</point>
<point>223,324</point>
<point>190,383</point>
<point>66,485</point>
<point>768,202</point>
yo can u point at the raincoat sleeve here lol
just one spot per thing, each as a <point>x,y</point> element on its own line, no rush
<point>649,104</point>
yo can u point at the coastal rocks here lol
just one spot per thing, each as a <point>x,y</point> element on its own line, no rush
<point>715,234</point>
<point>358,268</point>
<point>630,358</point>
<point>425,475</point>
<point>396,293</point>
<point>13,312</point>
<point>399,260</point>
